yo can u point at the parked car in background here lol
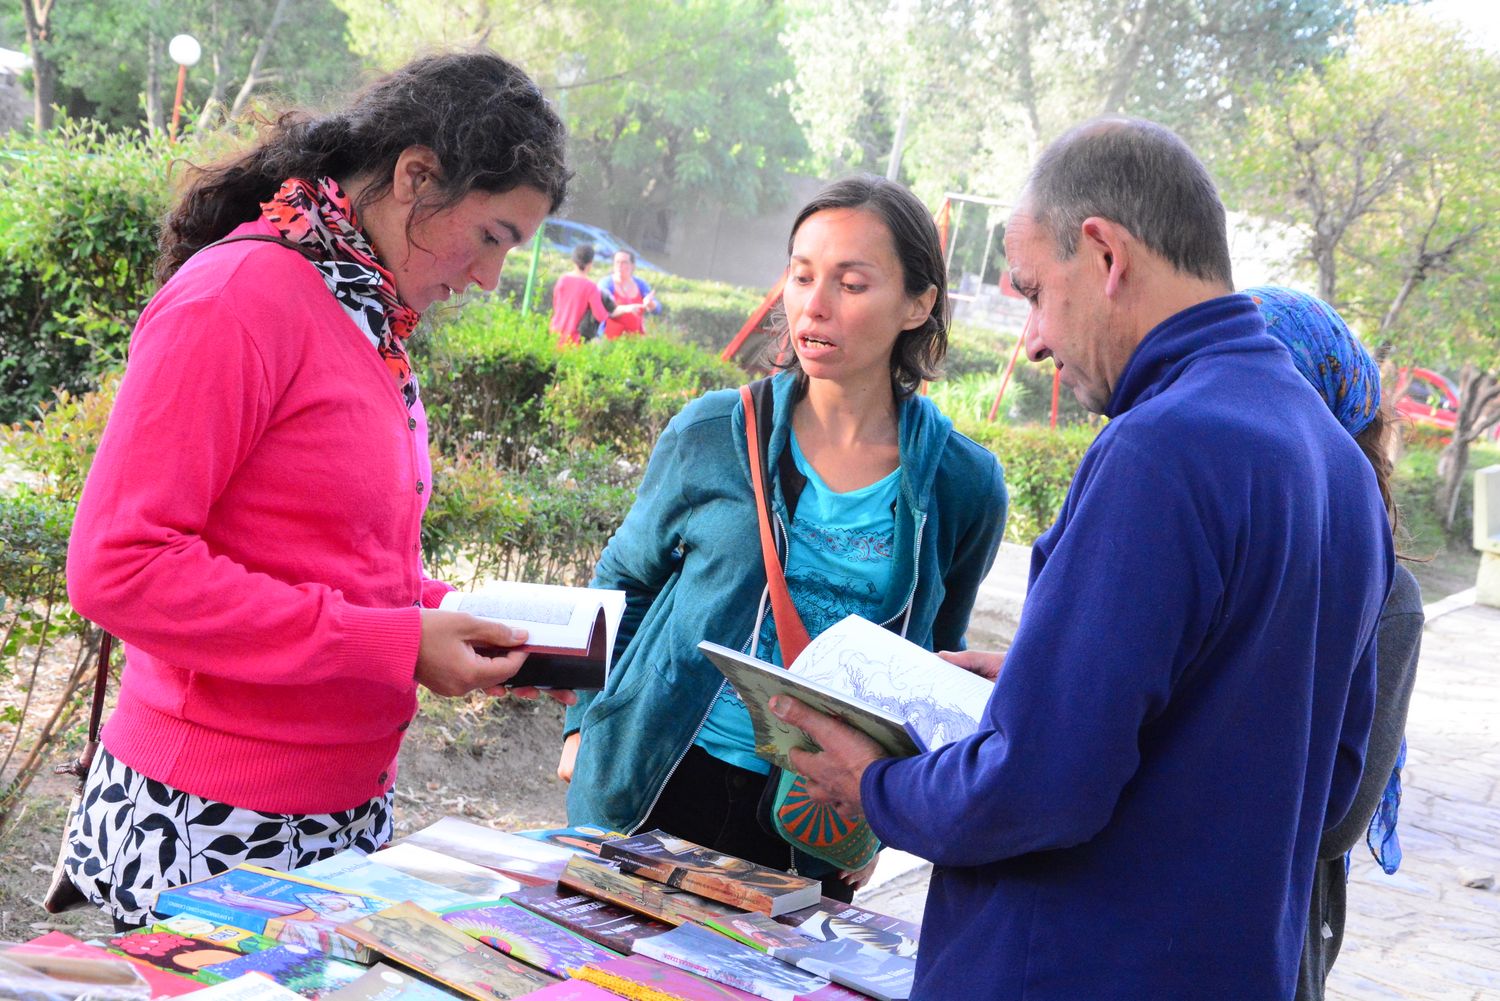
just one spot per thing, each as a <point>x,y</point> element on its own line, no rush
<point>562,235</point>
<point>1431,399</point>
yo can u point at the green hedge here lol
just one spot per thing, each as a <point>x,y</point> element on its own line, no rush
<point>78,218</point>
<point>1039,466</point>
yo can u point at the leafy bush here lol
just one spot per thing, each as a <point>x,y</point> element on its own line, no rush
<point>78,217</point>
<point>704,313</point>
<point>1039,466</point>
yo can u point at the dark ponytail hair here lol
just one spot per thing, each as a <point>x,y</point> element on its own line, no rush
<point>919,351</point>
<point>483,118</point>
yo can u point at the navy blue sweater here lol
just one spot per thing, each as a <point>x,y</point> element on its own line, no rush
<point>1185,705</point>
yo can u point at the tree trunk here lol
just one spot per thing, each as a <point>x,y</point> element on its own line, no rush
<point>1122,74</point>
<point>43,70</point>
<point>1478,411</point>
<point>252,75</point>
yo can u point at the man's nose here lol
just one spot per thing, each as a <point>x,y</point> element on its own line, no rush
<point>1031,337</point>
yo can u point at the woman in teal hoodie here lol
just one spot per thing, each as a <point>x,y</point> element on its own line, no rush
<point>881,510</point>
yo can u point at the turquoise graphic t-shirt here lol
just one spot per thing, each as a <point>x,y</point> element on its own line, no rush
<point>838,563</point>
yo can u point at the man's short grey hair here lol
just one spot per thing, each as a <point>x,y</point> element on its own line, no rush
<point>1140,175</point>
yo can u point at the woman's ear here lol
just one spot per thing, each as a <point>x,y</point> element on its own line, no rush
<point>416,171</point>
<point>921,308</point>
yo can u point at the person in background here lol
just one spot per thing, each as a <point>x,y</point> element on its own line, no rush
<point>1185,706</point>
<point>624,288</point>
<point>575,297</point>
<point>1348,380</point>
<point>251,525</point>
<point>885,511</point>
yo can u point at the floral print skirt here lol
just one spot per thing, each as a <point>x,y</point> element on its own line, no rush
<point>133,836</point>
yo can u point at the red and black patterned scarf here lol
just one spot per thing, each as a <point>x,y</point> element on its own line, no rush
<point>322,219</point>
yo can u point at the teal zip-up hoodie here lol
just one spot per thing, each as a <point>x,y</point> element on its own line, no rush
<point>688,558</point>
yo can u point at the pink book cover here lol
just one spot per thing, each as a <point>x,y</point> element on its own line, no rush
<point>162,983</point>
<point>570,990</point>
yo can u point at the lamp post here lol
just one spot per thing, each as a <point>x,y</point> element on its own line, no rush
<point>185,51</point>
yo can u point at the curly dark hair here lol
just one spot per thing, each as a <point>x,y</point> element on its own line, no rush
<point>482,117</point>
<point>919,351</point>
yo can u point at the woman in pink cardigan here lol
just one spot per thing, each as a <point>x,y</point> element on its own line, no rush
<point>251,524</point>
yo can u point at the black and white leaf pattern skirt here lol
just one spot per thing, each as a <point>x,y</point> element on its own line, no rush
<point>133,836</point>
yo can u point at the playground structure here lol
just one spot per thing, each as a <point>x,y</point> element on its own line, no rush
<point>949,220</point>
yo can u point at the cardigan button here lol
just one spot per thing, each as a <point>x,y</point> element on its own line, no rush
<point>420,486</point>
<point>403,726</point>
<point>411,423</point>
<point>382,777</point>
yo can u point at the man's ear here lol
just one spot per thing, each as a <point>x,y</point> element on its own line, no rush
<point>416,171</point>
<point>1107,245</point>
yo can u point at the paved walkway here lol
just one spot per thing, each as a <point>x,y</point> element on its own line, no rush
<point>1421,935</point>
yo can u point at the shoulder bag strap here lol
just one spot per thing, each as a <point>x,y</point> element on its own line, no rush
<point>79,766</point>
<point>791,635</point>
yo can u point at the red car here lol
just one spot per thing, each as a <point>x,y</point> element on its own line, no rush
<point>1432,400</point>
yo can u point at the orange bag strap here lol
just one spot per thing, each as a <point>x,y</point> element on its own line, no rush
<point>791,634</point>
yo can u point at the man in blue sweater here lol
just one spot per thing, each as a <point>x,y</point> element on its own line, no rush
<point>1186,702</point>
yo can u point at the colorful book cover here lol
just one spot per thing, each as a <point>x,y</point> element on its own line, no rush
<point>419,939</point>
<point>880,975</point>
<point>698,950</point>
<point>355,871</point>
<point>386,983</point>
<point>306,972</point>
<point>639,977</point>
<point>573,990</point>
<point>250,987</point>
<point>529,937</point>
<point>188,947</point>
<point>60,945</point>
<point>606,881</point>
<point>869,928</point>
<point>758,931</point>
<point>473,881</point>
<point>609,925</point>
<point>575,839</point>
<point>532,862</point>
<point>671,860</point>
<point>280,906</point>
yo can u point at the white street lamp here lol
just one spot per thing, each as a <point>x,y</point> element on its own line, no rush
<point>185,51</point>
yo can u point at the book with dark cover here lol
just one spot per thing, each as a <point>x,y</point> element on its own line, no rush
<point>570,630</point>
<point>277,905</point>
<point>714,957</point>
<point>306,972</point>
<point>525,935</point>
<point>606,881</point>
<point>421,940</point>
<point>671,860</point>
<point>614,927</point>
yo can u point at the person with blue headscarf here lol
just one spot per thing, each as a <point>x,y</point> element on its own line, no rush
<point>1342,371</point>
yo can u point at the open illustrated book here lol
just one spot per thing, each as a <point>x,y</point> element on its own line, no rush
<point>571,630</point>
<point>906,699</point>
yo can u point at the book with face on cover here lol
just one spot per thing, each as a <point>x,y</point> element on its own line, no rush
<point>474,882</point>
<point>532,862</point>
<point>287,908</point>
<point>606,881</point>
<point>664,858</point>
<point>835,920</point>
<point>421,940</point>
<point>525,935</point>
<point>386,983</point>
<point>570,630</point>
<point>725,961</point>
<point>614,927</point>
<point>356,871</point>
<point>904,698</point>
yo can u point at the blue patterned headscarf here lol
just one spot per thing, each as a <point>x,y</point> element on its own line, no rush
<point>1324,351</point>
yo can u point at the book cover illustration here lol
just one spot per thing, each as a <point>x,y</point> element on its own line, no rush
<point>869,928</point>
<point>287,908</point>
<point>474,882</point>
<point>355,871</point>
<point>606,881</point>
<point>575,839</point>
<point>614,927</point>
<point>188,947</point>
<point>527,936</point>
<point>758,931</point>
<point>640,977</point>
<point>303,971</point>
<point>844,961</point>
<point>386,983</point>
<point>573,990</point>
<point>676,862</point>
<point>56,950</point>
<point>700,951</point>
<point>570,630</point>
<point>530,861</point>
<point>417,938</point>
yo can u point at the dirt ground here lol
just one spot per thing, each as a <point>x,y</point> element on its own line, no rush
<point>491,761</point>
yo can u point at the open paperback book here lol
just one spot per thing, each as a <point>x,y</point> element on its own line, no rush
<point>906,699</point>
<point>571,630</point>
